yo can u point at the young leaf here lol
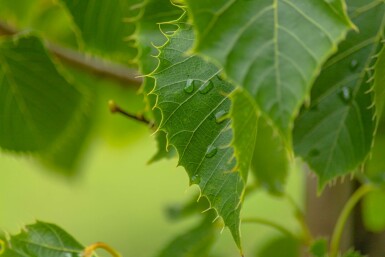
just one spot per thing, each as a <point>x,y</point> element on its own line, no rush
<point>100,26</point>
<point>43,240</point>
<point>37,105</point>
<point>335,134</point>
<point>274,49</point>
<point>192,99</point>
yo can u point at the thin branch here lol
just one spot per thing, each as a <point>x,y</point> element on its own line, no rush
<point>97,66</point>
<point>89,251</point>
<point>114,108</point>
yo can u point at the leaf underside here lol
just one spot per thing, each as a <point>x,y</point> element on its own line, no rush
<point>193,100</point>
<point>35,110</point>
<point>335,134</point>
<point>274,50</point>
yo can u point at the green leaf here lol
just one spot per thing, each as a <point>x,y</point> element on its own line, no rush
<point>319,248</point>
<point>335,134</point>
<point>195,242</point>
<point>100,25</point>
<point>244,115</point>
<point>38,105</point>
<point>43,240</point>
<point>192,99</point>
<point>147,36</point>
<point>352,253</point>
<point>279,247</point>
<point>270,164</point>
<point>274,49</point>
<point>265,151</point>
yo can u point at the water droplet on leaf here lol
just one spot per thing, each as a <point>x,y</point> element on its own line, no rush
<point>220,116</point>
<point>196,179</point>
<point>353,65</point>
<point>211,151</point>
<point>345,94</point>
<point>189,88</point>
<point>206,87</point>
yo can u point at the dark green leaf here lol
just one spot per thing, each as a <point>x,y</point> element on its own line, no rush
<point>42,240</point>
<point>280,247</point>
<point>195,242</point>
<point>101,26</point>
<point>38,105</point>
<point>191,96</point>
<point>319,248</point>
<point>274,49</point>
<point>335,134</point>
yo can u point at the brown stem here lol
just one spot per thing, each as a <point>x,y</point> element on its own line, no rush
<point>114,108</point>
<point>94,65</point>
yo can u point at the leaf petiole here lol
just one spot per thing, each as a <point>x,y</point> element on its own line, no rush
<point>350,204</point>
<point>88,252</point>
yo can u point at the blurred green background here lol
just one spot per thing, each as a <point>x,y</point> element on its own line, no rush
<point>113,195</point>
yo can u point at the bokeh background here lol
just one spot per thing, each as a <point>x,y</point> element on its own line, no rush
<point>112,194</point>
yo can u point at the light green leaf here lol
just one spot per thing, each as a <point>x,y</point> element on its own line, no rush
<point>195,242</point>
<point>271,159</point>
<point>43,240</point>
<point>38,105</point>
<point>264,150</point>
<point>274,49</point>
<point>373,211</point>
<point>244,116</point>
<point>335,134</point>
<point>148,35</point>
<point>100,25</point>
<point>192,99</point>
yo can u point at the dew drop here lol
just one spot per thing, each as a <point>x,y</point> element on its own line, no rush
<point>345,94</point>
<point>196,179</point>
<point>206,87</point>
<point>211,151</point>
<point>220,116</point>
<point>189,88</point>
<point>353,65</point>
<point>314,153</point>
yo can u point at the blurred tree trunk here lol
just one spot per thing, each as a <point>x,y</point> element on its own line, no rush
<point>322,213</point>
